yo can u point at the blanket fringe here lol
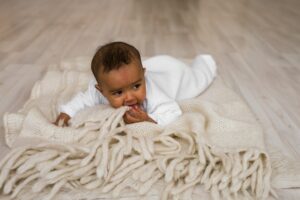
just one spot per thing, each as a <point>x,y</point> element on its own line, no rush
<point>114,158</point>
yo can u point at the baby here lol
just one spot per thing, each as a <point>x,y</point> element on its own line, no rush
<point>151,88</point>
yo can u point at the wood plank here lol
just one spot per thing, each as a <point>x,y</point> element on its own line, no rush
<point>255,43</point>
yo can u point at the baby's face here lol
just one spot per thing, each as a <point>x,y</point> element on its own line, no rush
<point>124,86</point>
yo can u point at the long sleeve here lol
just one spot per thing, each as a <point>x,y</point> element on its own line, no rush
<point>81,100</point>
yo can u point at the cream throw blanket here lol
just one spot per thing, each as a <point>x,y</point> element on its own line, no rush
<point>216,143</point>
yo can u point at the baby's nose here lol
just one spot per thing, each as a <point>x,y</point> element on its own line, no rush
<point>129,98</point>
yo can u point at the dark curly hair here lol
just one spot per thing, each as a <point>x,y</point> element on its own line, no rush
<point>112,56</point>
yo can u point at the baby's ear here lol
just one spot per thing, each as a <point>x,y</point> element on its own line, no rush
<point>98,87</point>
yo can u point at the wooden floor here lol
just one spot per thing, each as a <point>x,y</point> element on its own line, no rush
<point>256,44</point>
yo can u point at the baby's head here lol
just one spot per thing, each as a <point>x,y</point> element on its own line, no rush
<point>118,69</point>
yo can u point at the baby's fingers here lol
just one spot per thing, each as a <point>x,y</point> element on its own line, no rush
<point>128,118</point>
<point>62,120</point>
<point>61,123</point>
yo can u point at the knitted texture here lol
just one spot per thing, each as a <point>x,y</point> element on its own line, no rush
<point>216,142</point>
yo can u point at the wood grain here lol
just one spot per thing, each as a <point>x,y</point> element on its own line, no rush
<point>255,43</point>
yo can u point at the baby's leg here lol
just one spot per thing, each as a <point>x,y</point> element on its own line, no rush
<point>204,61</point>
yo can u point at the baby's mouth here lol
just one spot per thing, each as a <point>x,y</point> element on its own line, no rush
<point>134,106</point>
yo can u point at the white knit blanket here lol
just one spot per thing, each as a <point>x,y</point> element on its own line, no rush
<point>216,143</point>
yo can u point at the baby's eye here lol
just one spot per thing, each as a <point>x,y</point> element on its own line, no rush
<point>136,86</point>
<point>117,93</point>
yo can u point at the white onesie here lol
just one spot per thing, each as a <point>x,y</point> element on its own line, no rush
<point>168,80</point>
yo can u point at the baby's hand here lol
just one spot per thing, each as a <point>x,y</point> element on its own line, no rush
<point>62,120</point>
<point>135,114</point>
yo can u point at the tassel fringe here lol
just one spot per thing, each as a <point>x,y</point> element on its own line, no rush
<point>113,158</point>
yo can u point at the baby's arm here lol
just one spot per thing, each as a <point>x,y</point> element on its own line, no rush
<point>80,101</point>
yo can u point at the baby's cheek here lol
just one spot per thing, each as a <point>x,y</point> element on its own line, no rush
<point>116,103</point>
<point>142,96</point>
